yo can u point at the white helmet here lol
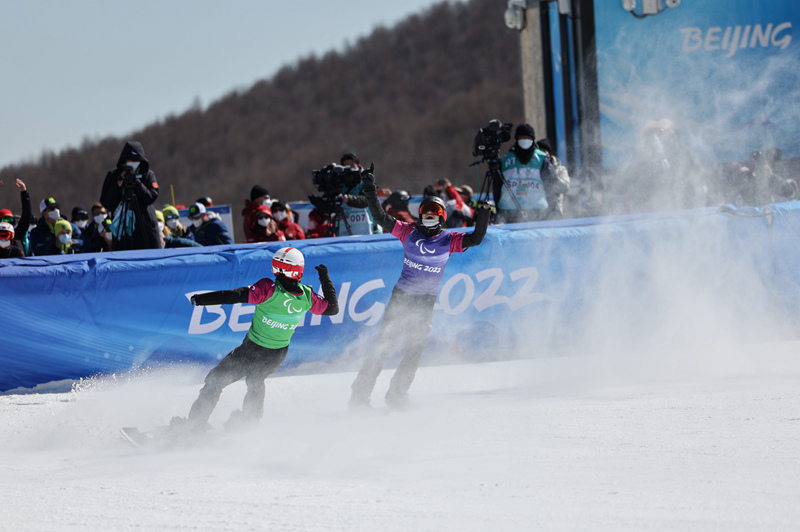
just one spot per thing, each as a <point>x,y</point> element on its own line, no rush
<point>288,262</point>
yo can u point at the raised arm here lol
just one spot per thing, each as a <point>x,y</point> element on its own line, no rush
<point>481,223</point>
<point>328,291</point>
<point>371,192</point>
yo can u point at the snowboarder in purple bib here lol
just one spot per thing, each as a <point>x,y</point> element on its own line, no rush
<point>409,313</point>
<point>280,307</point>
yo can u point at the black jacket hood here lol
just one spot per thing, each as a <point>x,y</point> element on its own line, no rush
<point>133,151</point>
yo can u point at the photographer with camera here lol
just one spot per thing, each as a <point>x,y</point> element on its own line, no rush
<point>529,178</point>
<point>129,192</point>
<point>342,198</point>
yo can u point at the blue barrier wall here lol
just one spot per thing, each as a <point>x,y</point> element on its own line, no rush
<point>528,290</point>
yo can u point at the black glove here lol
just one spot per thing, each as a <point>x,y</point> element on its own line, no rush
<point>193,299</point>
<point>368,176</point>
<point>322,270</point>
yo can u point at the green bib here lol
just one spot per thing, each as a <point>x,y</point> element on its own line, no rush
<point>275,320</point>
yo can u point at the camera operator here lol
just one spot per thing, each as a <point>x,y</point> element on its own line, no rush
<point>342,198</point>
<point>129,191</point>
<point>765,186</point>
<point>529,178</point>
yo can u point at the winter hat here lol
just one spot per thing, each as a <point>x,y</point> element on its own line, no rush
<point>169,210</point>
<point>160,216</point>
<point>263,209</point>
<point>257,191</point>
<point>62,224</point>
<point>466,188</point>
<point>524,130</point>
<point>79,213</point>
<point>197,210</point>
<point>47,203</point>
<point>278,205</point>
<point>544,145</point>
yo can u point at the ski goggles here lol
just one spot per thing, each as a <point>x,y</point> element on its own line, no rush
<point>434,208</point>
<point>7,219</point>
<point>6,235</point>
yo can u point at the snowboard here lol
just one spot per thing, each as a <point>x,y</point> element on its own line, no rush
<point>164,438</point>
<point>138,438</point>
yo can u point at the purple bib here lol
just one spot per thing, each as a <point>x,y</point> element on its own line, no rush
<point>424,259</point>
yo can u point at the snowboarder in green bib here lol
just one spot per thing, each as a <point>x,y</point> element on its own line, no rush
<point>280,307</point>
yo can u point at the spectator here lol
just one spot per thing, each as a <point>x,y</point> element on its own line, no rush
<point>258,196</point>
<point>93,241</point>
<point>106,236</point>
<point>206,201</point>
<point>284,216</point>
<point>169,241</point>
<point>263,227</point>
<point>62,243</point>
<point>759,185</point>
<point>467,212</point>
<point>172,219</point>
<point>21,237</point>
<point>129,191</point>
<point>80,217</point>
<point>445,190</point>
<point>44,237</point>
<point>521,196</point>
<point>9,248</point>
<point>207,231</point>
<point>397,206</point>
<point>555,197</point>
<point>318,225</point>
<point>662,174</point>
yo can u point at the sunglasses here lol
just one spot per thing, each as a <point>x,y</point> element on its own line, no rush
<point>173,217</point>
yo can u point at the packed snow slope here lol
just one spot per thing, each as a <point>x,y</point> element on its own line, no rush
<point>684,440</point>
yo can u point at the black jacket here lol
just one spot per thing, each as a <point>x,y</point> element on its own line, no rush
<point>139,197</point>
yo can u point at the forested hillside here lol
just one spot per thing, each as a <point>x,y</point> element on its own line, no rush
<point>410,98</point>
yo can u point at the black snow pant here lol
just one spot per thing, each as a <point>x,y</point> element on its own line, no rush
<point>251,361</point>
<point>407,321</point>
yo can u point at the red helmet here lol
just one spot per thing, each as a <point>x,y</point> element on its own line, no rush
<point>288,262</point>
<point>6,231</point>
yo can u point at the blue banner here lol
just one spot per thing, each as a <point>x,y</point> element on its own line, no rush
<point>724,72</point>
<point>528,290</point>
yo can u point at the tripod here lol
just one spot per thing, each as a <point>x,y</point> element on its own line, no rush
<point>336,216</point>
<point>493,173</point>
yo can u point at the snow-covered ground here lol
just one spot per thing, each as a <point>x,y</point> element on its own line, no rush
<point>657,441</point>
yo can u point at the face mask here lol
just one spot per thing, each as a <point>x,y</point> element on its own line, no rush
<point>198,222</point>
<point>160,227</point>
<point>108,236</point>
<point>263,222</point>
<point>5,243</point>
<point>54,215</point>
<point>98,218</point>
<point>172,224</point>
<point>280,216</point>
<point>430,223</point>
<point>267,203</point>
<point>65,238</point>
<point>525,144</point>
<point>133,165</point>
<point>82,224</point>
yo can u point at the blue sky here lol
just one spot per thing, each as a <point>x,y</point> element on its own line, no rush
<point>90,68</point>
